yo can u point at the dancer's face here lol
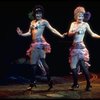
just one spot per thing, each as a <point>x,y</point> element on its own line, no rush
<point>38,15</point>
<point>80,17</point>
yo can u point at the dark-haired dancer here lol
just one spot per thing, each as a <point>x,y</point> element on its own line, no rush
<point>39,46</point>
<point>79,54</point>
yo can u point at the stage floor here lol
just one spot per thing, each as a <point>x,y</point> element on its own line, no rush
<point>61,89</point>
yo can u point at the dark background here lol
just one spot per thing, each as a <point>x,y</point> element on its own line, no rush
<point>60,15</point>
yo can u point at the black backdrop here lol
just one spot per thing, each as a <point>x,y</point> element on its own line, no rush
<point>60,15</point>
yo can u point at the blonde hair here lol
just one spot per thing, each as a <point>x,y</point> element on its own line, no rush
<point>78,10</point>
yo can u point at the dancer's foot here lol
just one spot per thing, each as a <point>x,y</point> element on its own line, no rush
<point>31,86</point>
<point>50,84</point>
<point>88,87</point>
<point>74,86</point>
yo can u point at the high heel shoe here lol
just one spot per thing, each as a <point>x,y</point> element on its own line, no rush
<point>88,87</point>
<point>75,86</point>
<point>31,86</point>
<point>50,84</point>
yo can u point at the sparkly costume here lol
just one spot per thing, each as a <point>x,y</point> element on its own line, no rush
<point>79,51</point>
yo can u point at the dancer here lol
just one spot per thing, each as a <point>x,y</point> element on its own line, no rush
<point>39,46</point>
<point>79,54</point>
<point>47,49</point>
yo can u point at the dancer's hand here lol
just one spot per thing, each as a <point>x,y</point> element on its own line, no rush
<point>64,34</point>
<point>19,31</point>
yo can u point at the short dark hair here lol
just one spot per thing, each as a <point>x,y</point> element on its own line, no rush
<point>38,8</point>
